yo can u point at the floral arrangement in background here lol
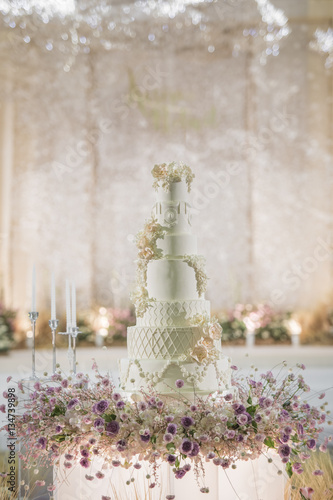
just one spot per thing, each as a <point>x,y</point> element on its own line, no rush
<point>112,323</point>
<point>82,419</point>
<point>164,174</point>
<point>7,328</point>
<point>261,319</point>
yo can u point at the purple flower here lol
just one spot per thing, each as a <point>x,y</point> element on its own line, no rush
<point>228,397</point>
<point>92,440</point>
<point>297,468</point>
<point>233,367</point>
<point>239,408</point>
<point>99,423</point>
<point>195,450</point>
<point>116,396</point>
<point>145,438</point>
<point>239,438</point>
<point>180,473</point>
<point>318,472</point>
<point>193,408</point>
<point>257,418</point>
<point>84,462</point>
<point>100,407</point>
<point>58,429</point>
<point>137,466</point>
<point>116,463</point>
<point>72,403</point>
<point>186,446</point>
<point>242,419</point>
<point>230,434</point>
<point>167,437</point>
<point>120,404</point>
<point>171,459</point>
<point>160,404</point>
<point>85,453</point>
<point>179,383</point>
<point>169,418</point>
<point>187,467</point>
<point>172,429</point>
<point>68,465</point>
<point>121,445</point>
<point>64,383</point>
<point>225,463</point>
<point>311,444</point>
<point>187,421</point>
<point>42,442</point>
<point>50,391</point>
<point>210,455</point>
<point>217,461</point>
<point>284,450</point>
<point>300,430</point>
<point>68,456</point>
<point>284,438</point>
<point>142,406</point>
<point>112,427</point>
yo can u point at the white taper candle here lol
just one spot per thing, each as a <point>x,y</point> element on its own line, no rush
<point>33,296</point>
<point>73,305</point>
<point>68,307</point>
<point>53,298</point>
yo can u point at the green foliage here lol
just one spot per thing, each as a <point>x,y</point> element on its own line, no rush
<point>269,442</point>
<point>58,410</point>
<point>6,328</point>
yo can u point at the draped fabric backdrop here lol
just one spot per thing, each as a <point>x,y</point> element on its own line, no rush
<point>81,130</point>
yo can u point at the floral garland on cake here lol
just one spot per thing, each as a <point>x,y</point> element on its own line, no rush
<point>148,250</point>
<point>198,263</point>
<point>205,349</point>
<point>164,174</point>
<point>77,419</point>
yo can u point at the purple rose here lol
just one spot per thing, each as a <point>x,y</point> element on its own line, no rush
<point>172,429</point>
<point>99,423</point>
<point>142,406</point>
<point>210,455</point>
<point>72,403</point>
<point>239,408</point>
<point>225,463</point>
<point>228,397</point>
<point>85,453</point>
<point>284,450</point>
<point>58,429</point>
<point>239,438</point>
<point>169,418</point>
<point>187,421</point>
<point>120,404</point>
<point>186,446</point>
<point>257,418</point>
<point>101,407</point>
<point>300,430</point>
<point>193,408</point>
<point>284,437</point>
<point>179,383</point>
<point>180,473</point>
<point>242,419</point>
<point>230,434</point>
<point>171,459</point>
<point>112,427</point>
<point>116,396</point>
<point>187,467</point>
<point>195,450</point>
<point>167,437</point>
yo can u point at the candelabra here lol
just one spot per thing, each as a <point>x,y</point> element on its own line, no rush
<point>33,315</point>
<point>53,323</point>
<point>72,332</point>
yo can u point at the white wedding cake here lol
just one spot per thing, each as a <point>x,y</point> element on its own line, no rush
<point>175,342</point>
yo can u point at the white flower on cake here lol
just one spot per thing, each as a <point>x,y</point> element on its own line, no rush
<point>205,348</point>
<point>164,174</point>
<point>197,262</point>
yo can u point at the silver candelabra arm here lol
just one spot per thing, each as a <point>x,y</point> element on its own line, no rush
<point>33,315</point>
<point>53,323</point>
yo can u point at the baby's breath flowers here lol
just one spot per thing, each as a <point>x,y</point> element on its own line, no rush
<point>77,418</point>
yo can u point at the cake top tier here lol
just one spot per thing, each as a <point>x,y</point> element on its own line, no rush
<point>168,175</point>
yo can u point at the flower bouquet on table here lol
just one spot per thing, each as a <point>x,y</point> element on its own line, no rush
<point>77,418</point>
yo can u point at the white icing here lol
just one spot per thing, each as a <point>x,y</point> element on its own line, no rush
<point>171,279</point>
<point>178,244</point>
<point>203,379</point>
<point>173,313</point>
<point>177,191</point>
<point>145,342</point>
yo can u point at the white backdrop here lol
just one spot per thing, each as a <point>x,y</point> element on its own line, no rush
<point>78,145</point>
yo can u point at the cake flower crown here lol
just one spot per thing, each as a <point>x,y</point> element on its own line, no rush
<point>166,173</point>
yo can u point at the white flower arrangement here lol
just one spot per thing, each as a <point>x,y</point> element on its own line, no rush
<point>146,243</point>
<point>197,262</point>
<point>164,174</point>
<point>205,350</point>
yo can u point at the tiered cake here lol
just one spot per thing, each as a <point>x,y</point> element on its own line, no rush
<point>175,338</point>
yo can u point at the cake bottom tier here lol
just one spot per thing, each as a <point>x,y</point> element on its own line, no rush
<point>161,375</point>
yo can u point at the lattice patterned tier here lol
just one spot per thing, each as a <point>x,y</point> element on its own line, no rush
<point>160,343</point>
<point>175,313</point>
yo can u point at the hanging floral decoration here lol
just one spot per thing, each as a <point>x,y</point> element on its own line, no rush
<point>77,419</point>
<point>198,263</point>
